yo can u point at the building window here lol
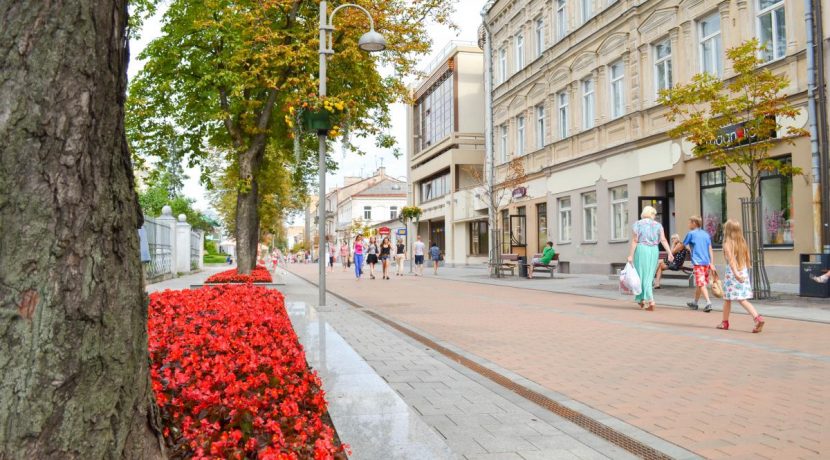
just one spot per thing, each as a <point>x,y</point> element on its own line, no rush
<point>587,103</point>
<point>502,65</point>
<point>367,213</point>
<point>435,187</point>
<point>393,212</point>
<point>619,213</point>
<point>503,143</point>
<point>434,115</point>
<point>711,59</point>
<point>565,220</point>
<point>540,36</point>
<point>479,238</point>
<point>777,208</point>
<point>520,135</point>
<point>771,29</point>
<point>586,8</point>
<point>540,126</point>
<point>561,18</point>
<point>542,225</point>
<point>662,65</point>
<point>505,231</point>
<point>562,98</point>
<point>589,216</point>
<point>713,203</point>
<point>520,52</point>
<point>617,89</point>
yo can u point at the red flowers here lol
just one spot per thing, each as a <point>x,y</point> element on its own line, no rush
<point>259,274</point>
<point>231,378</point>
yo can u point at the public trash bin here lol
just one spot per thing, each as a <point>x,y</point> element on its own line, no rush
<point>813,265</point>
<point>523,267</point>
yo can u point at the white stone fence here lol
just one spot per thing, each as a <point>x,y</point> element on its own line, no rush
<point>174,247</point>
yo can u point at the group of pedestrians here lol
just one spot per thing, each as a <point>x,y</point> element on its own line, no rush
<point>369,253</point>
<point>648,234</point>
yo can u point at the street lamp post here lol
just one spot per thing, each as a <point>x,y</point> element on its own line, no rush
<point>371,41</point>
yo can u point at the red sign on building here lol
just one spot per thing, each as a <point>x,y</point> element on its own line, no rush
<point>384,231</point>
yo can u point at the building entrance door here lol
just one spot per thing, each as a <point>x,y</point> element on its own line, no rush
<point>436,234</point>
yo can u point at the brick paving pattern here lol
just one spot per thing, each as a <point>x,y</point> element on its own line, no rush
<point>719,394</point>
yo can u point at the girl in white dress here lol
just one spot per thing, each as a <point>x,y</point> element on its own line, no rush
<point>736,285</point>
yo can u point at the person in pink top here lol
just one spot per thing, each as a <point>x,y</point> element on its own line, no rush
<point>344,255</point>
<point>358,256</point>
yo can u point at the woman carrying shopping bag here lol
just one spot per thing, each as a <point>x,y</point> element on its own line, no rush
<point>644,253</point>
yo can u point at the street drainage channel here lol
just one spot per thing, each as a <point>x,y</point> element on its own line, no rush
<point>605,432</point>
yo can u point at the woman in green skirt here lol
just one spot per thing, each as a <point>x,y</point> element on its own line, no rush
<point>644,253</point>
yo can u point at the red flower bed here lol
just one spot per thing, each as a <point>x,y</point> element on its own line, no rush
<point>231,378</point>
<point>259,274</point>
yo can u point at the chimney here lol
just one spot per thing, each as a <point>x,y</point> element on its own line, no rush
<point>381,172</point>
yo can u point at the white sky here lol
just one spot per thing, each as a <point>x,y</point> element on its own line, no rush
<point>466,17</point>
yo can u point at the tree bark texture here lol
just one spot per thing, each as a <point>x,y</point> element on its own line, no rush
<point>73,314</point>
<point>247,210</point>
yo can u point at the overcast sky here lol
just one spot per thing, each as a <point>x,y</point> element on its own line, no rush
<point>466,17</point>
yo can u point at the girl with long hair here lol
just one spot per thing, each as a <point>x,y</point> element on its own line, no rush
<point>358,256</point>
<point>385,255</point>
<point>736,284</point>
<point>372,256</point>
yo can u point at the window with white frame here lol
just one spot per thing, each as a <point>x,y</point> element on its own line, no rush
<point>393,212</point>
<point>711,48</point>
<point>662,65</point>
<point>586,10</point>
<point>772,32</point>
<point>540,36</point>
<point>520,52</point>
<point>367,213</point>
<point>502,65</point>
<point>520,135</point>
<point>617,75</point>
<point>503,143</point>
<point>561,18</point>
<point>588,103</point>
<point>562,99</point>
<point>564,220</point>
<point>589,216</point>
<point>619,213</point>
<point>540,126</point>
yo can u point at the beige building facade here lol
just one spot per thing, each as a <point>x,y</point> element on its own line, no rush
<point>575,97</point>
<point>446,155</point>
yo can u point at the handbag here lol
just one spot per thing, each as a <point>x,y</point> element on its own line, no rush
<point>717,284</point>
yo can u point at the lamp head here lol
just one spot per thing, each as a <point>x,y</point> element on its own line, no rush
<point>372,41</point>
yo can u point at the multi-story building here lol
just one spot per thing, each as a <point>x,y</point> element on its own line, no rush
<point>575,98</point>
<point>446,154</point>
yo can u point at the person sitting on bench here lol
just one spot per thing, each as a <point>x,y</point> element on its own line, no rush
<point>680,254</point>
<point>547,256</point>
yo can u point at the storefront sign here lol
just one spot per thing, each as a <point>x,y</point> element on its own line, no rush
<point>401,232</point>
<point>738,134</point>
<point>384,231</point>
<point>519,192</point>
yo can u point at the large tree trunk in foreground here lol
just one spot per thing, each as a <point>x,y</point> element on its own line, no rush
<point>247,210</point>
<point>73,315</point>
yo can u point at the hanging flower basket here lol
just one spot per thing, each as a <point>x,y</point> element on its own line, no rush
<point>411,213</point>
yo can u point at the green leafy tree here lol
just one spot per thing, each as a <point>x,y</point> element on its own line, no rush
<point>754,105</point>
<point>225,74</point>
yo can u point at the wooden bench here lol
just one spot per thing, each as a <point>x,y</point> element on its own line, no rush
<point>508,264</point>
<point>545,268</point>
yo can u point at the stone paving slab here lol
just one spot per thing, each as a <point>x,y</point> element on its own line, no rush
<point>474,419</point>
<point>668,373</point>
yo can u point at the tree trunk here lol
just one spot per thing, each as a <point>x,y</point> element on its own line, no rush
<point>247,210</point>
<point>73,314</point>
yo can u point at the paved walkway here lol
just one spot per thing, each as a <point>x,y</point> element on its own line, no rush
<point>716,393</point>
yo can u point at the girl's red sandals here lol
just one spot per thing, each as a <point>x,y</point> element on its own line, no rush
<point>724,325</point>
<point>759,324</point>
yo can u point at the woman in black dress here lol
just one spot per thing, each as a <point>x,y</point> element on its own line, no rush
<point>385,255</point>
<point>680,254</point>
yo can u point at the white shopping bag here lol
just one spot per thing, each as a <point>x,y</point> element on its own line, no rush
<point>630,281</point>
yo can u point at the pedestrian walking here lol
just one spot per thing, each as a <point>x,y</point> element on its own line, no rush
<point>647,236</point>
<point>419,249</point>
<point>435,255</point>
<point>400,256</point>
<point>372,256</point>
<point>344,255</point>
<point>821,279</point>
<point>736,283</point>
<point>385,256</point>
<point>332,255</point>
<point>358,256</point>
<point>699,243</point>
